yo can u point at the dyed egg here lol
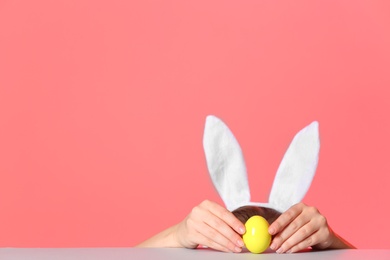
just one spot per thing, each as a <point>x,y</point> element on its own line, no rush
<point>256,238</point>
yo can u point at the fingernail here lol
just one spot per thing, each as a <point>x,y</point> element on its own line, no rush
<point>289,252</point>
<point>242,230</point>
<point>273,246</point>
<point>279,251</point>
<point>271,231</point>
<point>240,243</point>
<point>237,249</point>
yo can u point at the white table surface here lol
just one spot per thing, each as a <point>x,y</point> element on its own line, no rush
<point>180,253</point>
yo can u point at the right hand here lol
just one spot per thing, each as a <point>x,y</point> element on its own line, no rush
<point>211,225</point>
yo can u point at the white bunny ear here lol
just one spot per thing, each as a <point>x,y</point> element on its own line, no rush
<point>297,169</point>
<point>225,163</point>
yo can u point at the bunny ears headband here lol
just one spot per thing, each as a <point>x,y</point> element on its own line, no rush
<point>226,165</point>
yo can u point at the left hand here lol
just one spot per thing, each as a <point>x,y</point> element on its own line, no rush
<point>300,227</point>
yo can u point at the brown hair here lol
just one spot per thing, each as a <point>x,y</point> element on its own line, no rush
<point>245,212</point>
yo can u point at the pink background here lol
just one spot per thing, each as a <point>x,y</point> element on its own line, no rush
<point>102,109</point>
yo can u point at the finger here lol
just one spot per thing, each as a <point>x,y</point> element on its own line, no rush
<point>291,229</point>
<point>217,223</point>
<point>305,233</point>
<point>206,242</point>
<point>285,218</point>
<point>308,242</point>
<point>225,215</point>
<point>210,237</point>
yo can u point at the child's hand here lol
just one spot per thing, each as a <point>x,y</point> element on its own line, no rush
<point>301,227</point>
<point>211,225</point>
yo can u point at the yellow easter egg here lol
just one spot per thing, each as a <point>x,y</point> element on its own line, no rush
<point>256,238</point>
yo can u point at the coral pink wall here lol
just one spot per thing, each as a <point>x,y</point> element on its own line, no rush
<point>102,108</point>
